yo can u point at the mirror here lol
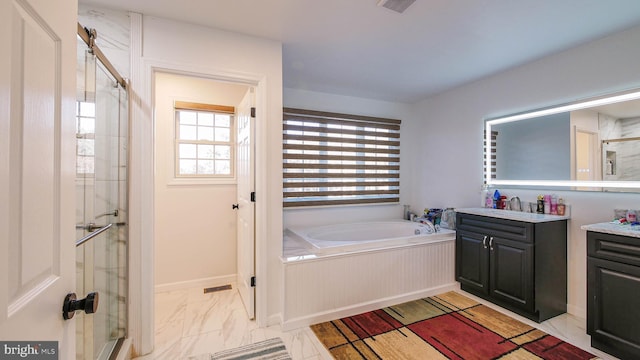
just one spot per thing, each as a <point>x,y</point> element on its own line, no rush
<point>587,145</point>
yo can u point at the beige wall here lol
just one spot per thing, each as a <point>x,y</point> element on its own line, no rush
<point>195,227</point>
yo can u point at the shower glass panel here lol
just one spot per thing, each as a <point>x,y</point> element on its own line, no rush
<point>101,191</point>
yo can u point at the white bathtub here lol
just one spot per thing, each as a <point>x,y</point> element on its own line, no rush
<point>360,267</point>
<point>340,238</point>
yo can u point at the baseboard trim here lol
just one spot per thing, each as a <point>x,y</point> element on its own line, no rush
<point>311,319</point>
<point>203,283</point>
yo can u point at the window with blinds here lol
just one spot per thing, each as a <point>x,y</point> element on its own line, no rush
<point>338,159</point>
<point>493,149</point>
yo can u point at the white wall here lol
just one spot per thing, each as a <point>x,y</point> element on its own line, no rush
<point>452,122</point>
<point>195,227</point>
<point>351,105</point>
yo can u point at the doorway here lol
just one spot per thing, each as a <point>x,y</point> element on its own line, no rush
<point>195,227</point>
<point>586,156</point>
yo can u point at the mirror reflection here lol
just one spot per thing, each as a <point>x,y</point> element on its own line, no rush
<point>593,144</point>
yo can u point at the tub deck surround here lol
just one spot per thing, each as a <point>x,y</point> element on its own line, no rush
<point>615,229</point>
<point>346,238</point>
<point>514,215</point>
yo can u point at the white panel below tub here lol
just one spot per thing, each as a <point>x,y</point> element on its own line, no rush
<point>331,287</point>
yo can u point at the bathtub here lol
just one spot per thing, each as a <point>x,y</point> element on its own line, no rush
<point>348,269</point>
<point>340,238</point>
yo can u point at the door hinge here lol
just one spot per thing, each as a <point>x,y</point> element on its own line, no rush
<point>253,281</point>
<point>253,196</point>
<point>253,112</point>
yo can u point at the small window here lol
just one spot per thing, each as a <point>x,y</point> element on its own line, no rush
<point>85,138</point>
<point>204,143</point>
<point>339,159</point>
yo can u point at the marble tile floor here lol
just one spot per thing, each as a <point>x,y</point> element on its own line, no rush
<point>191,325</point>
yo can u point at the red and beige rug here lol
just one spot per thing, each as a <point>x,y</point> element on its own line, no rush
<point>447,326</point>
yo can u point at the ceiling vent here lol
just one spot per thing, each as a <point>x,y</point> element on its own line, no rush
<point>396,5</point>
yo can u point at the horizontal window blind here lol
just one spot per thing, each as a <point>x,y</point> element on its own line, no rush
<point>338,159</point>
<point>493,149</point>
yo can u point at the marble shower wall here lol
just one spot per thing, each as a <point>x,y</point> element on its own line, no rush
<point>620,159</point>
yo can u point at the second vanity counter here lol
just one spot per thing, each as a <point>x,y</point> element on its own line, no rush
<point>614,229</point>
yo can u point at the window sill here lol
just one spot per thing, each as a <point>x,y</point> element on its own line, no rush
<point>201,181</point>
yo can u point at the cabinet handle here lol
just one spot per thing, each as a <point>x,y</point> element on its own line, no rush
<point>484,242</point>
<point>491,243</point>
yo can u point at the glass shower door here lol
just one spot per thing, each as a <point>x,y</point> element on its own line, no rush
<point>101,186</point>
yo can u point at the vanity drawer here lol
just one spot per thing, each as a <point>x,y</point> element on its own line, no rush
<point>509,229</point>
<point>618,248</point>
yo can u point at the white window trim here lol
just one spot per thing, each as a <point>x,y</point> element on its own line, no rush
<point>176,181</point>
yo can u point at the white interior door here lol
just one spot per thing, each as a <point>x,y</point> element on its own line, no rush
<point>246,207</point>
<point>37,170</point>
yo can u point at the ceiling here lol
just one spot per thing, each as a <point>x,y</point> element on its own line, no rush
<point>356,48</point>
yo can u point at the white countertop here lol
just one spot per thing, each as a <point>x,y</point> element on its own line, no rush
<point>513,215</point>
<point>616,229</point>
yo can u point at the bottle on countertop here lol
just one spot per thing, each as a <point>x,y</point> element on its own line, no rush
<point>554,205</point>
<point>547,204</point>
<point>561,207</point>
<point>540,203</point>
<point>631,216</point>
<point>496,199</point>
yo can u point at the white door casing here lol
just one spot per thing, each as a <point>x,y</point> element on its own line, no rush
<point>37,170</point>
<point>246,208</point>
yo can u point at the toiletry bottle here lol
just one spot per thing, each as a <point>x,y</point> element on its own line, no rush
<point>631,216</point>
<point>496,199</point>
<point>561,207</point>
<point>540,203</point>
<point>488,201</point>
<point>554,204</point>
<point>547,204</point>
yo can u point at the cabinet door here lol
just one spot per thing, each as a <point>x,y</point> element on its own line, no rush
<point>511,272</point>
<point>613,314</point>
<point>472,261</point>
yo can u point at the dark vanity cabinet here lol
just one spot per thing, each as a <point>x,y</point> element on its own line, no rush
<point>519,265</point>
<point>613,293</point>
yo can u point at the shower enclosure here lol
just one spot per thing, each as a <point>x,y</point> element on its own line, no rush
<point>102,126</point>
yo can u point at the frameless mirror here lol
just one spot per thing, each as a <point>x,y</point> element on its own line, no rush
<point>587,145</point>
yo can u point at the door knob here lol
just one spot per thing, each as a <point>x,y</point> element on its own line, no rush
<point>235,206</point>
<point>89,304</point>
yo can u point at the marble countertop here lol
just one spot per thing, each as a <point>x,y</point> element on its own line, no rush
<point>513,215</point>
<point>616,229</point>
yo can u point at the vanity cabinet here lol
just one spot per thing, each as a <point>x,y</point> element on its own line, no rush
<point>613,290</point>
<point>519,265</point>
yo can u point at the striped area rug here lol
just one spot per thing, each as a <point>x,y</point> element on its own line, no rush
<point>447,326</point>
<point>272,349</point>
